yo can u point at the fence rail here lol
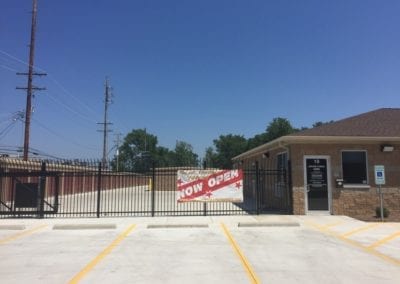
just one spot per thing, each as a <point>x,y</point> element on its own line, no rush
<point>90,189</point>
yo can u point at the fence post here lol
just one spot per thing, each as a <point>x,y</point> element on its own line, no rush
<point>42,186</point>
<point>257,188</point>
<point>56,193</point>
<point>289,188</point>
<point>98,190</point>
<point>153,187</point>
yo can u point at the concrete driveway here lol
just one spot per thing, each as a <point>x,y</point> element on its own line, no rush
<point>229,249</point>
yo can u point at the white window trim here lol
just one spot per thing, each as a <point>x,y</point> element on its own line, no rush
<point>355,185</point>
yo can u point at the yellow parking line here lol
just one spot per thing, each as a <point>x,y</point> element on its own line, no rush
<point>333,224</point>
<point>355,244</point>
<point>249,270</point>
<point>22,234</point>
<point>101,256</point>
<point>362,229</point>
<point>384,240</point>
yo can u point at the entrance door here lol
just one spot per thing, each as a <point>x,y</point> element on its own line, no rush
<point>317,183</point>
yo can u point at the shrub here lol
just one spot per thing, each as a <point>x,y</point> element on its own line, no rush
<point>386,212</point>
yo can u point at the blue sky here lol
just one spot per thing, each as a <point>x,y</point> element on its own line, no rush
<point>193,70</point>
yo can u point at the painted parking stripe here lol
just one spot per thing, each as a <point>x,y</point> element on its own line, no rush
<point>78,277</point>
<point>389,259</point>
<point>359,230</point>
<point>384,240</point>
<point>249,270</point>
<point>333,224</point>
<point>22,234</point>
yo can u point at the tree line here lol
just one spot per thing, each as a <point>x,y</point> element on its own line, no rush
<point>140,150</point>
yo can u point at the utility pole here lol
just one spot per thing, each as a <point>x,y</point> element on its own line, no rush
<point>106,123</point>
<point>30,88</point>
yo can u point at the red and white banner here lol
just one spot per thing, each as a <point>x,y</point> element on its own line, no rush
<point>210,185</point>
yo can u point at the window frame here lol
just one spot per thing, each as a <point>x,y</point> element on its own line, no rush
<point>366,184</point>
<point>285,164</point>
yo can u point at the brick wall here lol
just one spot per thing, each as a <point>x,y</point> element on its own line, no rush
<point>355,202</point>
<point>298,201</point>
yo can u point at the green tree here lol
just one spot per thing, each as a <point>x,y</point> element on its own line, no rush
<point>164,157</point>
<point>320,123</point>
<point>137,151</point>
<point>276,128</point>
<point>279,127</point>
<point>257,140</point>
<point>184,156</point>
<point>227,147</point>
<point>210,158</point>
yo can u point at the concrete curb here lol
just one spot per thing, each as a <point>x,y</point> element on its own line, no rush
<point>12,227</point>
<point>268,224</point>
<point>84,227</point>
<point>176,226</point>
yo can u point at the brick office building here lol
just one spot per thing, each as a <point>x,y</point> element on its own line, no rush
<point>332,166</point>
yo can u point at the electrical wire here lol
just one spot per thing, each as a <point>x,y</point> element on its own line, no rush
<point>36,152</point>
<point>19,60</point>
<point>7,130</point>
<point>62,137</point>
<point>14,118</point>
<point>8,68</point>
<point>57,83</point>
<point>69,108</point>
<point>72,96</point>
<point>57,101</point>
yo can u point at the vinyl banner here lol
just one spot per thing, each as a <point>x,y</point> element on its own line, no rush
<point>210,185</point>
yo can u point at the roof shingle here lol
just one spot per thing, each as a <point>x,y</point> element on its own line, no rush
<point>384,122</point>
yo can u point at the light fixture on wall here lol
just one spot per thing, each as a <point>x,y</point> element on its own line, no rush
<point>387,148</point>
<point>265,155</point>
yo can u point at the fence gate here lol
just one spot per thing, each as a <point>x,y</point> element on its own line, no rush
<point>90,189</point>
<point>23,192</point>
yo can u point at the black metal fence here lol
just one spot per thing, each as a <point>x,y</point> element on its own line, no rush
<point>89,189</point>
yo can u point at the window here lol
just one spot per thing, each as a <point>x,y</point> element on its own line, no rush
<point>281,165</point>
<point>354,166</point>
<point>282,160</point>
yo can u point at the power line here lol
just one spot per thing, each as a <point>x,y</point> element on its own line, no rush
<point>6,130</point>
<point>17,116</point>
<point>8,68</point>
<point>72,96</point>
<point>70,108</point>
<point>36,152</point>
<point>19,60</point>
<point>62,136</point>
<point>55,81</point>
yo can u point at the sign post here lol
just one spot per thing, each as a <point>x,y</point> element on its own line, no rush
<point>379,181</point>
